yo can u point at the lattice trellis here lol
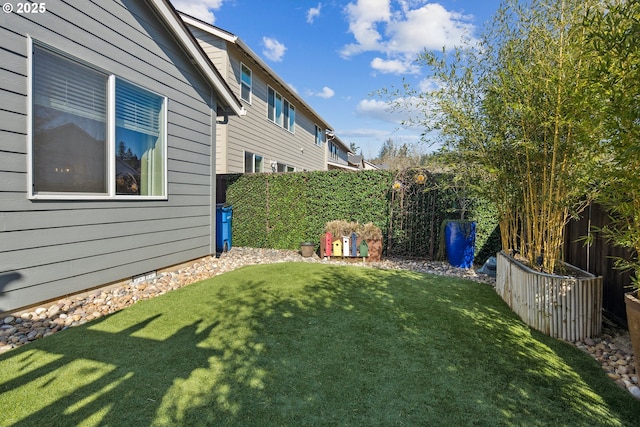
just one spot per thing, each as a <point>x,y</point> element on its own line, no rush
<point>414,218</point>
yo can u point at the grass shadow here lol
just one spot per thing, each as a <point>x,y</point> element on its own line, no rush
<point>86,375</point>
<point>302,344</point>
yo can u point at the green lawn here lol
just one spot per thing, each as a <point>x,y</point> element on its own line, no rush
<point>303,344</point>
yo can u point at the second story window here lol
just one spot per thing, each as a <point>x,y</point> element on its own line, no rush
<point>245,83</point>
<point>289,117</point>
<point>319,136</point>
<point>280,111</point>
<point>333,150</point>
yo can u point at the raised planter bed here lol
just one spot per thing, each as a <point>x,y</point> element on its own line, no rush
<point>566,307</point>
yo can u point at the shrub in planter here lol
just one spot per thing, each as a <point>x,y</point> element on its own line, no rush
<point>339,228</point>
<point>615,39</point>
<point>372,234</point>
<point>530,155</point>
<point>370,231</point>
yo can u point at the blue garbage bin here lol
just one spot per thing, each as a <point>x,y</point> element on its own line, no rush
<point>460,239</point>
<point>224,216</point>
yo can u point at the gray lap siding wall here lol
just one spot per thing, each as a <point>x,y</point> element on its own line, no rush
<point>49,248</point>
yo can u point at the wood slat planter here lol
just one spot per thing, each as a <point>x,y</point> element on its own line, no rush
<point>565,307</point>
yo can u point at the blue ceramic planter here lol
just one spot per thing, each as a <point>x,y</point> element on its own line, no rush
<point>460,239</point>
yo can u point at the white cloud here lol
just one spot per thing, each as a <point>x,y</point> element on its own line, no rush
<point>430,84</point>
<point>431,26</point>
<point>399,111</point>
<point>273,49</point>
<point>364,133</point>
<point>313,13</point>
<point>363,17</point>
<point>402,32</point>
<point>379,110</point>
<point>325,93</point>
<point>394,66</point>
<point>201,9</point>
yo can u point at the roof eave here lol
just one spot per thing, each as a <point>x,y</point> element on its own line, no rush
<point>182,34</point>
<point>343,166</point>
<point>232,38</point>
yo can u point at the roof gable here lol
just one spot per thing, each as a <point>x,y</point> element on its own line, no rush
<point>227,100</point>
<point>234,39</point>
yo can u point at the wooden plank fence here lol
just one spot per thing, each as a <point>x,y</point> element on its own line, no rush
<point>568,308</point>
<point>599,258</point>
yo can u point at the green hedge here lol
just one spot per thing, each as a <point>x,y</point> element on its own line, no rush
<point>282,210</point>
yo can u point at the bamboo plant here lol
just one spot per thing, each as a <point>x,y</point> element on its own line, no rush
<point>614,32</point>
<point>515,105</point>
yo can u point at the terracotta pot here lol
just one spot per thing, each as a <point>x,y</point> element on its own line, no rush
<point>633,320</point>
<point>375,250</point>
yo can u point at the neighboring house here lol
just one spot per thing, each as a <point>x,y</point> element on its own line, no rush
<point>341,157</point>
<point>107,135</point>
<point>370,166</point>
<point>357,161</point>
<point>280,132</point>
<point>338,154</point>
<point>360,163</point>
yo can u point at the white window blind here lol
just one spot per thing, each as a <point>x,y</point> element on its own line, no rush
<point>68,86</point>
<point>137,109</point>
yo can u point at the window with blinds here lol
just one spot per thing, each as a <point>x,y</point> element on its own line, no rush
<point>68,87</point>
<point>77,147</point>
<point>140,156</point>
<point>69,128</point>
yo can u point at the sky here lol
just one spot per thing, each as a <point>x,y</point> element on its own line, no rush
<point>337,54</point>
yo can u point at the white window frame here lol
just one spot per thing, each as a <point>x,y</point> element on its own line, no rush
<point>110,135</point>
<point>333,151</point>
<point>243,84</point>
<point>287,168</point>
<point>285,119</point>
<point>278,109</point>
<point>289,117</point>
<point>319,136</point>
<point>253,162</point>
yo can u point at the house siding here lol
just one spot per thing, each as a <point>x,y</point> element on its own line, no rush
<point>50,248</point>
<point>215,51</point>
<point>254,132</point>
<point>342,157</point>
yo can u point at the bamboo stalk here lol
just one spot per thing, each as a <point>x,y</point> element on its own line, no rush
<point>580,311</point>
<point>590,305</point>
<point>571,314</point>
<point>531,296</point>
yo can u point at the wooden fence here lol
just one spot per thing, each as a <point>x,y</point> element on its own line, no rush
<point>599,258</point>
<point>569,308</point>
